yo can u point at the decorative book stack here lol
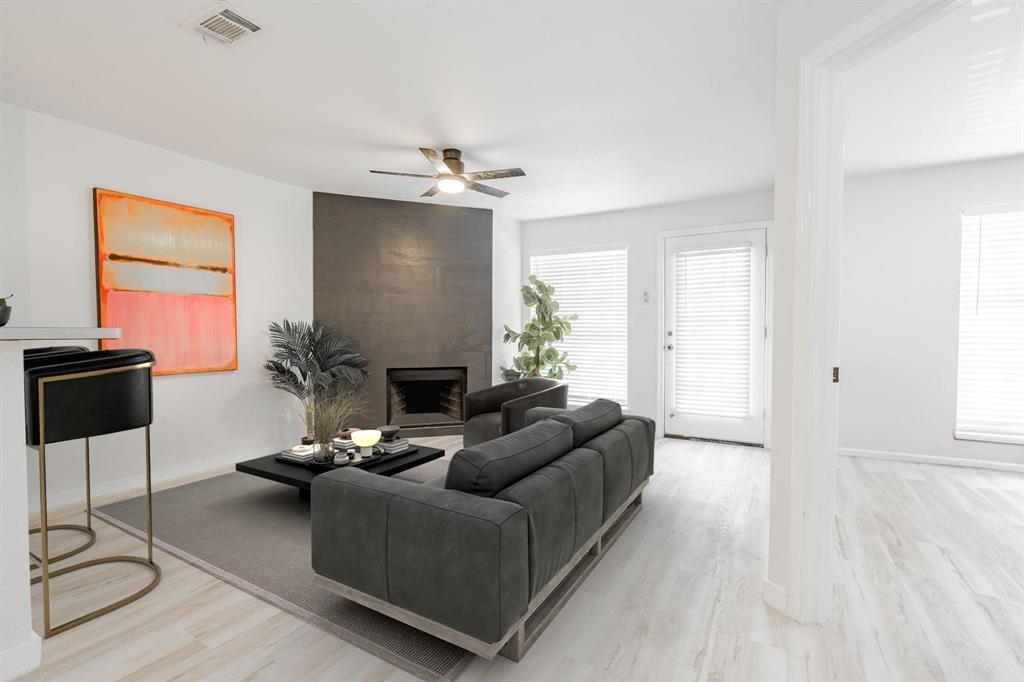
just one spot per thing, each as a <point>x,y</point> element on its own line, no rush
<point>392,447</point>
<point>343,444</point>
<point>300,453</point>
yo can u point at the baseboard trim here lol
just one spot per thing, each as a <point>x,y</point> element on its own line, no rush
<point>774,596</point>
<point>21,658</point>
<point>932,459</point>
<point>112,490</point>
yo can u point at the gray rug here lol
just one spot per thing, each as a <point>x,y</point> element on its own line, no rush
<point>254,534</point>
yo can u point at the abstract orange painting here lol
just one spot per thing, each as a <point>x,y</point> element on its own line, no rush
<point>166,276</point>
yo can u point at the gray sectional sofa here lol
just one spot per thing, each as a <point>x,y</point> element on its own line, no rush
<point>484,556</point>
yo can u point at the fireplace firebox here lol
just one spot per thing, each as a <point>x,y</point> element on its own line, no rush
<point>426,396</point>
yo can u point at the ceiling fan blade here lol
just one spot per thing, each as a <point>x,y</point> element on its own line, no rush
<point>436,161</point>
<point>408,175</point>
<point>430,192</point>
<point>486,189</point>
<point>495,174</point>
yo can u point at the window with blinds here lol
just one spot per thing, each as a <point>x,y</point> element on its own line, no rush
<point>990,364</point>
<point>591,284</point>
<point>712,327</point>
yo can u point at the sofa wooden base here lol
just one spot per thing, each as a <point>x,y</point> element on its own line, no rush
<point>542,608</point>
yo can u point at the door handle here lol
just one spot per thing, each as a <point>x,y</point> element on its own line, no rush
<point>669,347</point>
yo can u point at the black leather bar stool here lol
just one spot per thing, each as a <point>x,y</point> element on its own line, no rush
<point>75,394</point>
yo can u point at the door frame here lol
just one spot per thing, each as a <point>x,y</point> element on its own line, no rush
<point>798,578</point>
<point>659,301</point>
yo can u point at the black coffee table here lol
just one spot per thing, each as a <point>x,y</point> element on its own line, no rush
<point>301,476</point>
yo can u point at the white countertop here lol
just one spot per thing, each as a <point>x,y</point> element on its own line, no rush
<point>58,333</point>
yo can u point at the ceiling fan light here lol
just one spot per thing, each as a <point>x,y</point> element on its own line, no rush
<point>451,184</point>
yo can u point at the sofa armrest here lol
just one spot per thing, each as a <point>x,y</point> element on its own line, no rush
<point>458,559</point>
<point>513,412</point>
<point>651,431</point>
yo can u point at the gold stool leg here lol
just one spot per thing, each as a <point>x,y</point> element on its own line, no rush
<point>149,500</point>
<point>44,559</point>
<point>87,529</point>
<point>88,487</point>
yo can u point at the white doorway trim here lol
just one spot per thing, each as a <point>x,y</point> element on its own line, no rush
<point>804,424</point>
<point>659,302</point>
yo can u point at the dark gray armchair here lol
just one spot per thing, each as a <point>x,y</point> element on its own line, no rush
<point>501,409</point>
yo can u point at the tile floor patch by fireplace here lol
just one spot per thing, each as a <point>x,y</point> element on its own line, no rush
<point>426,396</point>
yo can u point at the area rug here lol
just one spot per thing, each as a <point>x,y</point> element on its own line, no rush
<point>254,534</point>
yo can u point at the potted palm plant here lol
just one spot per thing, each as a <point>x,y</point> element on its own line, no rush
<point>335,405</point>
<point>310,361</point>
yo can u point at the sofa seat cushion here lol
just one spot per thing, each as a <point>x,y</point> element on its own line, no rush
<point>437,482</point>
<point>590,420</point>
<point>490,467</point>
<point>425,473</point>
<point>625,450</point>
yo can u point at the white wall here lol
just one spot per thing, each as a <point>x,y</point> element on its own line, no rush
<point>638,230</point>
<point>49,168</point>
<point>506,278</point>
<point>900,296</point>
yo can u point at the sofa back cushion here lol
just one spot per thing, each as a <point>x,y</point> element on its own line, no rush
<point>563,501</point>
<point>490,467</point>
<point>627,451</point>
<point>590,420</point>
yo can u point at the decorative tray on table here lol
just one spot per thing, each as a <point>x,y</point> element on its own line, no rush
<point>378,456</point>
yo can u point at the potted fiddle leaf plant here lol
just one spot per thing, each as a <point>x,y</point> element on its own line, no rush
<point>5,309</point>
<point>538,356</point>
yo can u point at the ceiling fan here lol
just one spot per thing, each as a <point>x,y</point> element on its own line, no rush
<point>451,176</point>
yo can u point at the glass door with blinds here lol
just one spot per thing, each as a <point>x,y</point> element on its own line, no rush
<point>715,333</point>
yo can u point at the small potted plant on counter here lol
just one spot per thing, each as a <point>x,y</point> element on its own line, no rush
<point>5,309</point>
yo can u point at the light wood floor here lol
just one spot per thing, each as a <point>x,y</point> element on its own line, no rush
<point>929,585</point>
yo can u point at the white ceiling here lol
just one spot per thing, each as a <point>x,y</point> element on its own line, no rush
<point>952,92</point>
<point>605,105</point>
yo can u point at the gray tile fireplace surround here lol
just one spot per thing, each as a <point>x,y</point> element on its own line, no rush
<point>411,281</point>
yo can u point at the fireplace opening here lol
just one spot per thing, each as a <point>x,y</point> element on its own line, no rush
<point>426,396</point>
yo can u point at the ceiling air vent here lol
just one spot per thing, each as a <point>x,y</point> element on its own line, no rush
<point>222,23</point>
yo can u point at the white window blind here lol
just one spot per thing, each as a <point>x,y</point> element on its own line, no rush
<point>990,365</point>
<point>712,331</point>
<point>591,284</point>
